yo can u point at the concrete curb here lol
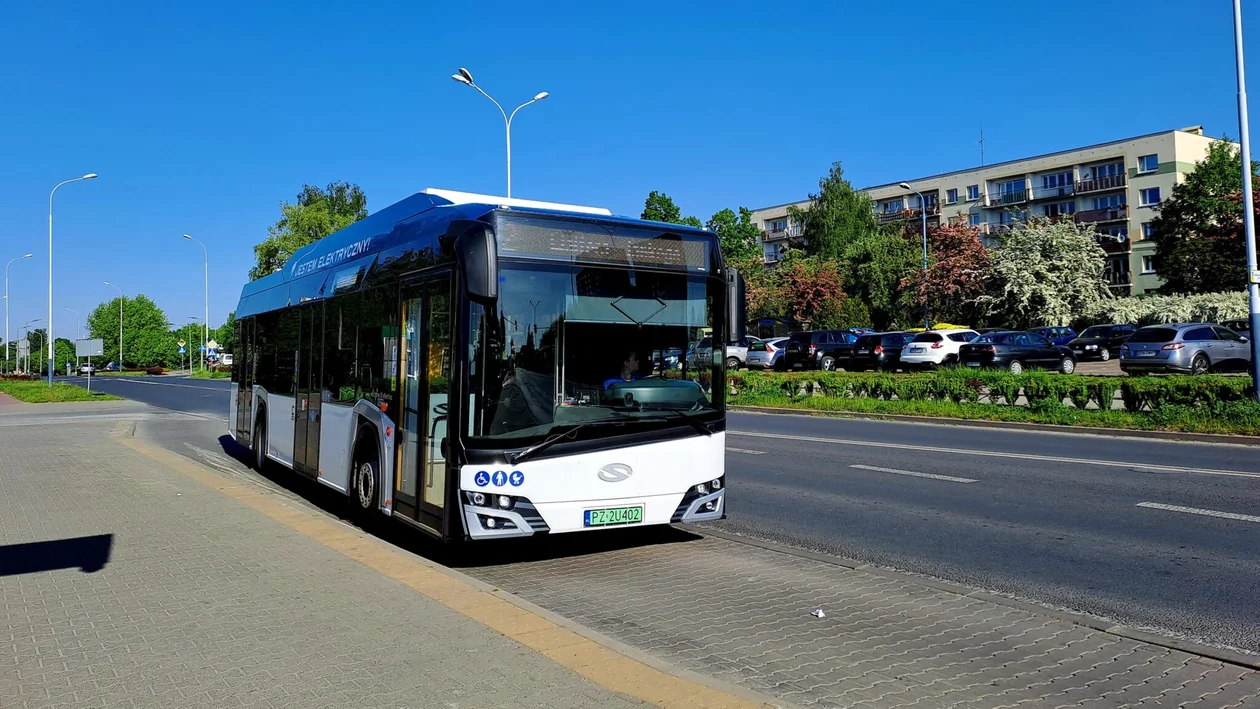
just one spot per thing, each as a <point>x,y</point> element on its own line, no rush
<point>1231,657</point>
<point>1253,441</point>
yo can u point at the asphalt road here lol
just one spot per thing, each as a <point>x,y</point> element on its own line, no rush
<point>1153,534</point>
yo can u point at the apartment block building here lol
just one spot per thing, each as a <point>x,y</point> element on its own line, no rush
<point>1113,186</point>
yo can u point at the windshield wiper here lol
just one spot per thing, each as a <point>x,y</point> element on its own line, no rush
<point>702,428</point>
<point>556,438</point>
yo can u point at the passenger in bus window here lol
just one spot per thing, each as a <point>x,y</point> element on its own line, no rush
<point>629,370</point>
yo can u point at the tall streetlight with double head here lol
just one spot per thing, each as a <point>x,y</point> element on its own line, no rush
<point>6,307</point>
<point>89,176</point>
<point>78,333</point>
<point>1249,214</point>
<point>26,329</point>
<point>465,77</point>
<point>923,213</point>
<point>206,323</point>
<point>121,298</point>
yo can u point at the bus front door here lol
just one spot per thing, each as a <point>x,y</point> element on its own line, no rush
<point>420,485</point>
<point>308,405</point>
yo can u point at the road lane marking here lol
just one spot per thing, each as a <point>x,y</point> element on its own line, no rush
<point>744,451</point>
<point>1001,454</point>
<point>1199,511</point>
<point>137,380</point>
<point>933,476</point>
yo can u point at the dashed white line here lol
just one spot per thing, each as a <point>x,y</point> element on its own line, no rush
<point>1199,511</point>
<point>745,451</point>
<point>933,476</point>
<point>1000,454</point>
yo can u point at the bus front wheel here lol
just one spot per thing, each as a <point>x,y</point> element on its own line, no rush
<point>364,484</point>
<point>260,440</point>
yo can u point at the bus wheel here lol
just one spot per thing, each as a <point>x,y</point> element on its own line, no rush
<point>364,494</point>
<point>260,440</point>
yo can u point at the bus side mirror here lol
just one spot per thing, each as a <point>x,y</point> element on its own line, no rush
<point>736,305</point>
<point>477,256</point>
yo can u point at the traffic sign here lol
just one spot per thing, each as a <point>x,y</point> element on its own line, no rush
<point>201,348</point>
<point>181,344</point>
<point>182,350</point>
<point>94,347</point>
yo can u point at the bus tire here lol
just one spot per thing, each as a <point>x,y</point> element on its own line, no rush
<point>365,481</point>
<point>260,439</point>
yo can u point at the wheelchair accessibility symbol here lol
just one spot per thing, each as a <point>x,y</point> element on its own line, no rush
<point>482,478</point>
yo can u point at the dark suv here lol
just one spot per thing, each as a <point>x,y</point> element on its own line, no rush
<point>1101,341</point>
<point>817,349</point>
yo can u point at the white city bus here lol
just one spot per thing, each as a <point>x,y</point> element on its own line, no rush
<point>479,367</point>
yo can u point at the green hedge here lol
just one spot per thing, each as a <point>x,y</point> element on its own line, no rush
<point>1041,389</point>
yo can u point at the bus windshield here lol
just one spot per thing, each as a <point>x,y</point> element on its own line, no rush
<point>570,344</point>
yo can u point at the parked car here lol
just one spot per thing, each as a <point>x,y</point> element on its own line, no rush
<point>1060,336</point>
<point>881,351</point>
<point>1242,326</point>
<point>1192,348</point>
<point>827,350</point>
<point>928,350</point>
<point>1101,341</point>
<point>735,352</point>
<point>111,367</point>
<point>1016,351</point>
<point>763,354</point>
<point>87,368</point>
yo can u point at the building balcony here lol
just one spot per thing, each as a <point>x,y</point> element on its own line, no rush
<point>1054,192</point>
<point>791,232</point>
<point>933,210</point>
<point>1118,279</point>
<point>1005,199</point>
<point>1112,245</point>
<point>994,229</point>
<point>1100,216</point>
<point>1099,184</point>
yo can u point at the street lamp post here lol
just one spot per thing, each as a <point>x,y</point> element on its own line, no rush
<point>206,334</point>
<point>465,78</point>
<point>923,214</point>
<point>1249,214</point>
<point>121,298</point>
<point>26,330</point>
<point>78,333</point>
<point>6,308</point>
<point>89,176</point>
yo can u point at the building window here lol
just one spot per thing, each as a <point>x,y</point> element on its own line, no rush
<point>933,198</point>
<point>897,206</point>
<point>1062,179</point>
<point>1148,230</point>
<point>1148,264</point>
<point>1150,196</point>
<point>1109,202</point>
<point>1148,163</point>
<point>973,193</point>
<point>1109,170</point>
<point>1060,208</point>
<point>951,196</point>
<point>781,224</point>
<point>974,218</point>
<point>1012,187</point>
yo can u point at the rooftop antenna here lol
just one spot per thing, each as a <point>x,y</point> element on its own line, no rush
<point>981,146</point>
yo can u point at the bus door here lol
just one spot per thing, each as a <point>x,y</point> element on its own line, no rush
<point>307,405</point>
<point>420,484</point>
<point>243,375</point>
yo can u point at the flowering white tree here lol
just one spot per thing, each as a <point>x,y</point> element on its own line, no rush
<point>1154,309</point>
<point>1047,273</point>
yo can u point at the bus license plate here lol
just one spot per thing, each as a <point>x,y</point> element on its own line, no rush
<point>613,515</point>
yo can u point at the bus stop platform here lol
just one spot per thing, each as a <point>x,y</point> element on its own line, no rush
<point>181,578</point>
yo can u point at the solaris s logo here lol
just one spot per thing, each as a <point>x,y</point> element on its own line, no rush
<point>615,472</point>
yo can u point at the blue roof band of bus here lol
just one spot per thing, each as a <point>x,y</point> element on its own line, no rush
<point>310,273</point>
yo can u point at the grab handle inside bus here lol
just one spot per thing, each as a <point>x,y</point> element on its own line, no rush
<point>477,255</point>
<point>736,306</point>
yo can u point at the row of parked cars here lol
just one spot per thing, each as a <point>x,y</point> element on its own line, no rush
<point>1191,348</point>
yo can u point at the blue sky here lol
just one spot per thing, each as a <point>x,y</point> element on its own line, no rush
<point>202,118</point>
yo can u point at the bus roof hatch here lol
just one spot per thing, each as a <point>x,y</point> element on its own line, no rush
<point>470,198</point>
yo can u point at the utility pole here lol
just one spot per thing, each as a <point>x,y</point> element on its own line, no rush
<point>1249,210</point>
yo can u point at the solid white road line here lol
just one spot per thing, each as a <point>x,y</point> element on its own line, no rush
<point>744,451</point>
<point>1001,454</point>
<point>137,380</point>
<point>933,476</point>
<point>1198,511</point>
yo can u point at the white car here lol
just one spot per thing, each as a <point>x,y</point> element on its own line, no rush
<point>763,354</point>
<point>735,352</point>
<point>935,348</point>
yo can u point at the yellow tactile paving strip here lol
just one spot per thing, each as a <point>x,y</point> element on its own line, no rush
<point>602,665</point>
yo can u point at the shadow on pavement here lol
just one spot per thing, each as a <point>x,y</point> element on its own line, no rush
<point>88,554</point>
<point>459,554</point>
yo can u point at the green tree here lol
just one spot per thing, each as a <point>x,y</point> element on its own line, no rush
<point>65,353</point>
<point>225,334</point>
<point>738,235</point>
<point>316,214</point>
<point>148,340</point>
<point>957,271</point>
<point>1199,238</point>
<point>853,313</point>
<point>836,217</point>
<point>1046,273</point>
<point>660,207</point>
<point>875,265</point>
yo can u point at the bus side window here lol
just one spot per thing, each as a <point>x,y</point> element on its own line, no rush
<point>339,357</point>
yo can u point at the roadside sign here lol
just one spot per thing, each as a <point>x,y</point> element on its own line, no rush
<point>89,348</point>
<point>212,345</point>
<point>182,350</point>
<point>24,348</point>
<point>181,344</point>
<point>1255,276</point>
<point>201,348</point>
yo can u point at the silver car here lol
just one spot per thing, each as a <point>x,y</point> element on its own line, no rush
<point>1190,348</point>
<point>736,352</point>
<point>763,354</point>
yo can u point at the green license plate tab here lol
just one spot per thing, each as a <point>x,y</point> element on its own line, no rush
<point>613,515</point>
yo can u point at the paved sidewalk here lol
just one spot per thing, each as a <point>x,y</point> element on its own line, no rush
<point>125,583</point>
